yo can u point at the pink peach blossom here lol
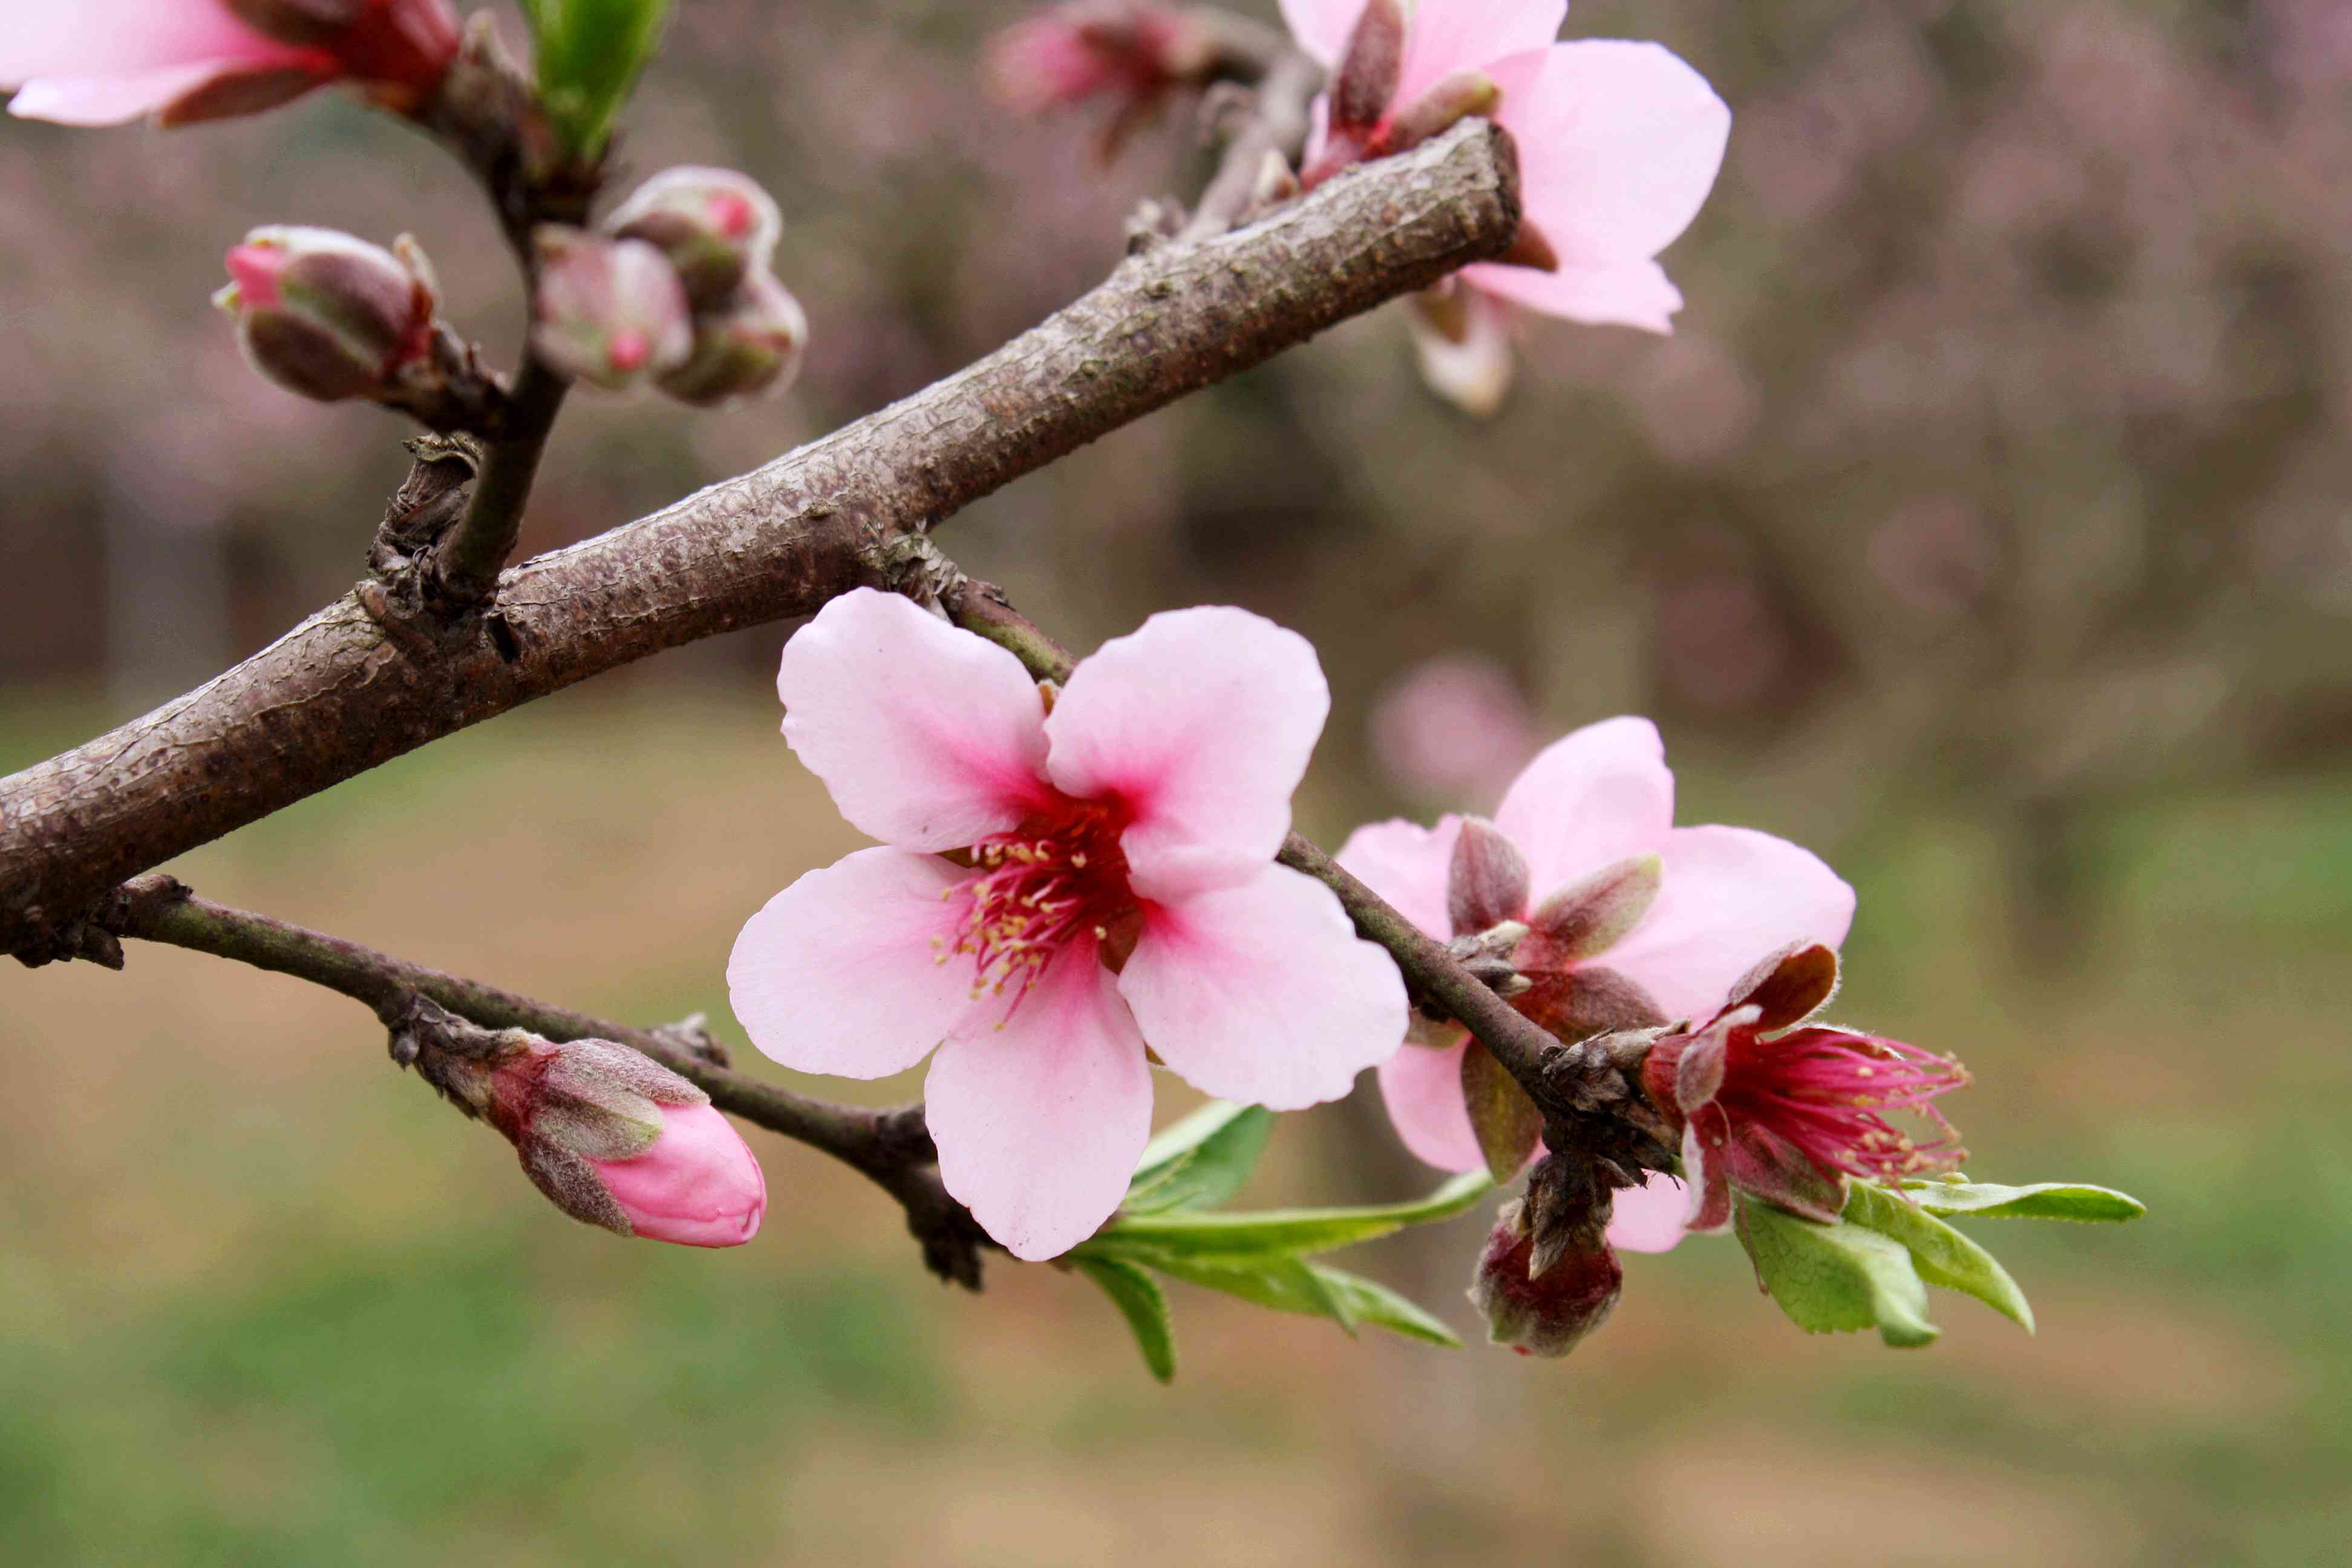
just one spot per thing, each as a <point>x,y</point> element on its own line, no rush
<point>1619,144</point>
<point>1111,892</point>
<point>102,62</point>
<point>698,1185</point>
<point>1596,803</point>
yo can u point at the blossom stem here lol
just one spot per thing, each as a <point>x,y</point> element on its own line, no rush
<point>890,1147</point>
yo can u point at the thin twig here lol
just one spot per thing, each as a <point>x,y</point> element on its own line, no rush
<point>469,559</point>
<point>1275,122</point>
<point>890,1147</point>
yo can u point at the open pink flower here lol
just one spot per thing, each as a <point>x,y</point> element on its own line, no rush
<point>1067,885</point>
<point>1632,921</point>
<point>1619,144</point>
<point>102,62</point>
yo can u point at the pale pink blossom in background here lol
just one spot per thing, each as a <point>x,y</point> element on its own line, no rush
<point>1454,728</point>
<point>1619,144</point>
<point>1114,891</point>
<point>1726,897</point>
<point>102,62</point>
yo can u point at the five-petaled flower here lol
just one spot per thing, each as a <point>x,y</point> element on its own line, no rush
<point>102,62</point>
<point>1629,922</point>
<point>1788,1111</point>
<point>1619,144</point>
<point>1072,883</point>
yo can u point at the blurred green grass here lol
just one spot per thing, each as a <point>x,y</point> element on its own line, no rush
<point>261,1302</point>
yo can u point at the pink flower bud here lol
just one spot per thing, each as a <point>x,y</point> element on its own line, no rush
<point>716,227</point>
<point>749,347</point>
<point>1545,1313</point>
<point>326,315</point>
<point>698,1185</point>
<point>1133,51</point>
<point>609,312</point>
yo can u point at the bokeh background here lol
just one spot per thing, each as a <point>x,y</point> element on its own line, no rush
<point>1985,527</point>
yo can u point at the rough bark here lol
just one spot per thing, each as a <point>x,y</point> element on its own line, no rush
<point>345,690</point>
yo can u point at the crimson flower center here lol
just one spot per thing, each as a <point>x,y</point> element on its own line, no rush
<point>1826,1091</point>
<point>1057,880</point>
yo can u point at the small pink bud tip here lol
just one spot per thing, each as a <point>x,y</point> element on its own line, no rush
<point>698,1185</point>
<point>631,349</point>
<point>256,269</point>
<point>733,215</point>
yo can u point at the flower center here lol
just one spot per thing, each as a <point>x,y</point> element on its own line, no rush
<point>1825,1089</point>
<point>1059,879</point>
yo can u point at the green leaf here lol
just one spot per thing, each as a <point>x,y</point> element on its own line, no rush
<point>1941,1255</point>
<point>591,53</point>
<point>1139,1301</point>
<point>1154,1238</point>
<point>2047,1200</point>
<point>1285,1284</point>
<point>1836,1279</point>
<point>1372,1302</point>
<point>1200,1160</point>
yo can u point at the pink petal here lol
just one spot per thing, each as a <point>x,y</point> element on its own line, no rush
<point>1619,145</point>
<point>1595,796</point>
<point>1264,994</point>
<point>1423,1089</point>
<point>1629,294</point>
<point>1649,1218</point>
<point>90,39</point>
<point>1321,27</point>
<point>113,99</point>
<point>1408,865</point>
<point>1202,722</point>
<point>1449,35</point>
<point>698,1185</point>
<point>838,975</point>
<point>928,737</point>
<point>1039,1123</point>
<point>1706,1187</point>
<point>1728,899</point>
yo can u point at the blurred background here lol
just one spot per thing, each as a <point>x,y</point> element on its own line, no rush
<point>1984,526</point>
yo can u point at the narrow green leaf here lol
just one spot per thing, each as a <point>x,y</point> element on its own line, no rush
<point>2046,1200</point>
<point>1836,1279</point>
<point>591,53</point>
<point>1285,1284</point>
<point>1150,1239</point>
<point>1375,1303</point>
<point>1202,1161</point>
<point>1942,1255</point>
<point>1140,1301</point>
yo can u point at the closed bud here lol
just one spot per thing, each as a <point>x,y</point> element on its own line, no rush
<point>1548,1311</point>
<point>326,315</point>
<point>611,312</point>
<point>751,347</point>
<point>611,1136</point>
<point>716,227</point>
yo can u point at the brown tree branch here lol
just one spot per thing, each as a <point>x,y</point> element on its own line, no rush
<point>892,1148</point>
<point>342,693</point>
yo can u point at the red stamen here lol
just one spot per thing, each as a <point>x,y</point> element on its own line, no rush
<point>1060,877</point>
<point>1825,1090</point>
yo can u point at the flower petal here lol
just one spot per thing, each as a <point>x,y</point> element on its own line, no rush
<point>112,100</point>
<point>1201,722</point>
<point>1729,897</point>
<point>1264,994</point>
<point>928,737</point>
<point>1707,1188</point>
<point>92,39</point>
<point>1321,27</point>
<point>838,975</point>
<point>1039,1123</point>
<point>698,1186</point>
<point>1649,1218</point>
<point>1619,144</point>
<point>1630,294</point>
<point>1422,1089</point>
<point>1449,35</point>
<point>1407,863</point>
<point>1590,799</point>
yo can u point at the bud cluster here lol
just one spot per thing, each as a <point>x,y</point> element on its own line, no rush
<point>675,288</point>
<point>610,1136</point>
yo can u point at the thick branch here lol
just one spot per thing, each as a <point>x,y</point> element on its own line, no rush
<point>342,693</point>
<point>1434,975</point>
<point>892,1148</point>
